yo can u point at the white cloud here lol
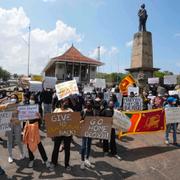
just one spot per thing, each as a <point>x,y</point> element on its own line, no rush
<point>177,35</point>
<point>129,43</point>
<point>44,44</point>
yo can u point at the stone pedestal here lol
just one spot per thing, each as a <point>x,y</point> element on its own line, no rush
<point>142,56</point>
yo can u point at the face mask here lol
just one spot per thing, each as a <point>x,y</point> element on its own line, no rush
<point>31,102</point>
<point>13,100</point>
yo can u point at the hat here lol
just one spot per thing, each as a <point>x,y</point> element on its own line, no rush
<point>171,99</point>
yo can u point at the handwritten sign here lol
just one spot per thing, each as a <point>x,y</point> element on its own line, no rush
<point>96,127</point>
<point>66,88</point>
<point>100,83</point>
<point>153,80</point>
<point>172,115</point>
<point>49,82</point>
<point>135,90</point>
<point>5,118</point>
<point>62,124</point>
<point>170,79</point>
<point>132,103</point>
<point>28,112</point>
<point>121,121</point>
<point>35,86</point>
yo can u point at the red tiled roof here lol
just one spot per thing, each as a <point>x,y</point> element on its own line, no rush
<point>73,55</point>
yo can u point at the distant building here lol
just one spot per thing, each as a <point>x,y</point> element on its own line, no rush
<point>72,64</point>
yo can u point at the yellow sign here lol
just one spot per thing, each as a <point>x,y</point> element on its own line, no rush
<point>36,78</point>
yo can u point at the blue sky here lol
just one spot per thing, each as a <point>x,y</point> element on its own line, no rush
<point>110,24</point>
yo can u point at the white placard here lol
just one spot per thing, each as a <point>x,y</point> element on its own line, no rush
<point>5,118</point>
<point>35,86</point>
<point>88,89</point>
<point>170,79</point>
<point>28,112</point>
<point>49,82</point>
<point>172,115</point>
<point>135,90</point>
<point>100,83</point>
<point>132,103</point>
<point>153,80</point>
<point>121,121</point>
<point>76,78</point>
<point>66,88</point>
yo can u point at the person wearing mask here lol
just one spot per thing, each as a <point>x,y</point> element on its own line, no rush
<point>15,131</point>
<point>86,141</point>
<point>171,103</point>
<point>31,137</point>
<point>65,138</point>
<point>108,112</point>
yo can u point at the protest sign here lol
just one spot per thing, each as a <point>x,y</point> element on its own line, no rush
<point>121,121</point>
<point>170,79</point>
<point>119,98</point>
<point>153,80</point>
<point>35,86</point>
<point>96,127</point>
<point>66,88</point>
<point>5,118</point>
<point>99,83</point>
<point>88,89</point>
<point>64,123</point>
<point>135,90</point>
<point>132,103</point>
<point>28,112</point>
<point>172,115</point>
<point>174,92</point>
<point>49,82</point>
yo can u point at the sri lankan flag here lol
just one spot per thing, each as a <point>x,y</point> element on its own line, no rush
<point>146,121</point>
<point>125,82</point>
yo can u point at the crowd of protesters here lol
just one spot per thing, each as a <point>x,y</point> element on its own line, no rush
<point>88,104</point>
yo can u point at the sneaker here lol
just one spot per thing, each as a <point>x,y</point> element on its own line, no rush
<point>87,163</point>
<point>167,142</point>
<point>51,168</point>
<point>82,165</point>
<point>118,157</point>
<point>68,168</point>
<point>47,164</point>
<point>31,163</point>
<point>10,159</point>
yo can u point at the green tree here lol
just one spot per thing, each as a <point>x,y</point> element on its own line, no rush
<point>4,75</point>
<point>161,74</point>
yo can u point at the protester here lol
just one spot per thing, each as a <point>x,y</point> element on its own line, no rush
<point>171,103</point>
<point>158,101</point>
<point>66,138</point>
<point>86,141</point>
<point>15,131</point>
<point>31,137</point>
<point>108,112</point>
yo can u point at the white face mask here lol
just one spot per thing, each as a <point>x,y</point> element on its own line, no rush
<point>13,100</point>
<point>31,101</point>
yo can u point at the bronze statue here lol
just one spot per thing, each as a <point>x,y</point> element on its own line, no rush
<point>142,18</point>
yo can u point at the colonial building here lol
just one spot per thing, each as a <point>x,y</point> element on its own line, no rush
<point>72,64</point>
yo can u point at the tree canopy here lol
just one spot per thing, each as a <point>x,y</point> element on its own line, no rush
<point>4,74</point>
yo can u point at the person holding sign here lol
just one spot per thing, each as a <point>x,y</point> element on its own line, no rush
<point>86,141</point>
<point>31,137</point>
<point>66,138</point>
<point>171,103</point>
<point>16,131</point>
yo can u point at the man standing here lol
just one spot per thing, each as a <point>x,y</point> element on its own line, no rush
<point>142,18</point>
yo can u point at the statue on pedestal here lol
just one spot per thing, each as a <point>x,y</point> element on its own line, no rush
<point>142,13</point>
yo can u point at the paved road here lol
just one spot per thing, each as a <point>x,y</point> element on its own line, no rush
<point>143,157</point>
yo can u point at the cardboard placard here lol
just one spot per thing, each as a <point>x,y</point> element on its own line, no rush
<point>28,112</point>
<point>64,123</point>
<point>121,121</point>
<point>96,127</point>
<point>35,86</point>
<point>5,118</point>
<point>36,78</point>
<point>153,80</point>
<point>135,90</point>
<point>66,88</point>
<point>49,82</point>
<point>172,115</point>
<point>88,89</point>
<point>170,79</point>
<point>132,103</point>
<point>100,83</point>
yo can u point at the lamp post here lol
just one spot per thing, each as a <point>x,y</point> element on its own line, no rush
<point>29,48</point>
